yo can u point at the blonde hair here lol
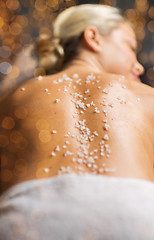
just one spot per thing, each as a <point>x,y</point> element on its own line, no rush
<point>68,28</point>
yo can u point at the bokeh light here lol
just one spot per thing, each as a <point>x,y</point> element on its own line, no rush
<point>151,26</point>
<point>151,12</point>
<point>5,52</point>
<point>5,67</point>
<point>12,5</point>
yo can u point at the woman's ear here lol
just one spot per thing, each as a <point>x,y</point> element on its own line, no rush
<point>92,38</point>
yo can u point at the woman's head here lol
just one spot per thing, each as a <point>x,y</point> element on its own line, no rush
<point>72,22</point>
<point>68,29</point>
<point>116,39</point>
<point>117,52</point>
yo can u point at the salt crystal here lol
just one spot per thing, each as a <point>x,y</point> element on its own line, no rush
<point>106,145</point>
<point>57,148</point>
<point>87,91</point>
<point>106,169</point>
<point>92,103</point>
<point>39,77</point>
<point>95,166</point>
<point>101,170</point>
<point>95,133</point>
<point>111,105</point>
<point>67,153</point>
<point>123,86</point>
<point>46,170</point>
<point>65,89</point>
<point>79,160</point>
<point>105,112</point>
<point>95,150</point>
<point>103,164</point>
<point>89,165</point>
<point>96,110</point>
<point>106,137</point>
<point>91,153</point>
<point>108,151</point>
<point>105,91</point>
<point>22,89</point>
<point>106,127</point>
<point>54,131</point>
<point>75,75</point>
<point>55,82</point>
<point>64,75</point>
<point>73,159</point>
<point>102,142</point>
<point>53,154</point>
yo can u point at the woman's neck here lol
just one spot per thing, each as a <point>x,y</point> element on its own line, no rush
<point>86,62</point>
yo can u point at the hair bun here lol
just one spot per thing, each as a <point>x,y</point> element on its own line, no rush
<point>50,53</point>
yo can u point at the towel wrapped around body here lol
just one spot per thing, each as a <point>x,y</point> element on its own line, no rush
<point>78,207</point>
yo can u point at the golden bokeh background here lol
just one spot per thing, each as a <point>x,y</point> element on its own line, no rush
<point>21,22</point>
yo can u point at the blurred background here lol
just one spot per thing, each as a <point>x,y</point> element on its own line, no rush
<point>22,21</point>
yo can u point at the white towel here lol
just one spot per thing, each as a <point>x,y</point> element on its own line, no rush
<point>73,207</point>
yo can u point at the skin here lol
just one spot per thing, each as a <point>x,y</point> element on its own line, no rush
<point>122,44</point>
<point>29,115</point>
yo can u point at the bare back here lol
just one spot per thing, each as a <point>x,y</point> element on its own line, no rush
<point>73,122</point>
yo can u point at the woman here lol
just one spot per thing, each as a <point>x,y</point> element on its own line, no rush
<point>92,116</point>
